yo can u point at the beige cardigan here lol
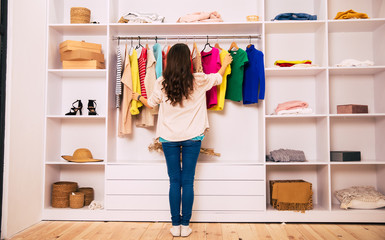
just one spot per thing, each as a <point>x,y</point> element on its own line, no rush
<point>178,123</point>
<point>125,118</point>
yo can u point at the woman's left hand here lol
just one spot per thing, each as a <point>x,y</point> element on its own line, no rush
<point>135,95</point>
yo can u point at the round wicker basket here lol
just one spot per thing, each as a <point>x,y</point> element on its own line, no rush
<point>80,15</point>
<point>76,200</point>
<point>88,195</point>
<point>61,192</point>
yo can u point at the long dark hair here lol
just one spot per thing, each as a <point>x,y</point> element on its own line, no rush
<point>178,79</point>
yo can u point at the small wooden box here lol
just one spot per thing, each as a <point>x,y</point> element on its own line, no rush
<point>91,64</point>
<point>81,55</point>
<point>352,108</point>
<point>69,45</point>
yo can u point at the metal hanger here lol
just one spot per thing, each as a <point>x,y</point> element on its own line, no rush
<point>139,45</point>
<point>207,44</point>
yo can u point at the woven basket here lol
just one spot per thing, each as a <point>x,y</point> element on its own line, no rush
<point>61,192</point>
<point>76,200</point>
<point>277,206</point>
<point>88,195</point>
<point>80,15</point>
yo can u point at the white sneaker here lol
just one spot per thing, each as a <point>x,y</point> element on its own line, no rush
<point>185,231</point>
<point>175,231</point>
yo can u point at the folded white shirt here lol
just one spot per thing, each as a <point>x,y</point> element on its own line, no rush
<point>295,111</point>
<point>355,63</point>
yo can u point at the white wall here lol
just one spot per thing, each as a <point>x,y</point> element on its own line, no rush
<point>23,178</point>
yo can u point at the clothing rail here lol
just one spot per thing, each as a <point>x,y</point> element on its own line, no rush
<point>187,37</point>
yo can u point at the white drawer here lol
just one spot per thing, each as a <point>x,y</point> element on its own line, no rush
<point>155,171</point>
<point>201,187</point>
<point>201,203</point>
<point>230,172</point>
<point>203,172</point>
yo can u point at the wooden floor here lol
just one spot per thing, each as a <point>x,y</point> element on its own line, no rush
<point>210,231</point>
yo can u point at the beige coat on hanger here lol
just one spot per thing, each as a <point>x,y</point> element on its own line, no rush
<point>125,118</point>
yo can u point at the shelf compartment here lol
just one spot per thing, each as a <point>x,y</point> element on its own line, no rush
<point>59,11</point>
<point>373,70</point>
<point>201,203</point>
<point>306,134</point>
<point>190,29</point>
<point>317,175</point>
<point>229,11</point>
<point>314,7</point>
<point>355,25</point>
<point>364,134</point>
<point>65,87</point>
<point>85,176</point>
<point>250,149</point>
<point>363,89</point>
<point>360,40</point>
<point>69,214</point>
<point>63,73</point>
<point>308,42</point>
<point>309,88</point>
<point>297,116</point>
<point>64,136</point>
<point>83,117</point>
<point>80,29</point>
<point>294,27</point>
<point>57,35</point>
<point>345,176</point>
<point>374,8</point>
<point>293,71</point>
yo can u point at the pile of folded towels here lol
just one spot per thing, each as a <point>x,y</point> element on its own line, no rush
<point>293,107</point>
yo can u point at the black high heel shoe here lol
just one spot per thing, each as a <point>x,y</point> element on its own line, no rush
<point>74,109</point>
<point>92,107</point>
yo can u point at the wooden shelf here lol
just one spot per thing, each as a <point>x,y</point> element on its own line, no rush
<point>80,29</point>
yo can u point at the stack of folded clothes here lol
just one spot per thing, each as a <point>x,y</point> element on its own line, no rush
<point>354,63</point>
<point>201,17</point>
<point>286,155</point>
<point>350,14</point>
<point>135,17</point>
<point>302,63</point>
<point>295,16</point>
<point>293,107</point>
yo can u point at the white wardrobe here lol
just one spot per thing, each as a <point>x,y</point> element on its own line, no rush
<point>132,182</point>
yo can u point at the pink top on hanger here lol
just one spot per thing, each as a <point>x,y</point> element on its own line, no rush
<point>211,63</point>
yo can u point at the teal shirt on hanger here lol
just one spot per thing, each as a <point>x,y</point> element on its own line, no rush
<point>158,57</point>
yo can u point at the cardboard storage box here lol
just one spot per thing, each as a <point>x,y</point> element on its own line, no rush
<point>81,55</point>
<point>345,156</point>
<point>90,64</point>
<point>352,108</point>
<point>69,45</point>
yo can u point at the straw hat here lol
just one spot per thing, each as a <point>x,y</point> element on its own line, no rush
<point>81,155</point>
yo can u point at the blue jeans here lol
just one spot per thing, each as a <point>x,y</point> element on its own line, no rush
<point>181,177</point>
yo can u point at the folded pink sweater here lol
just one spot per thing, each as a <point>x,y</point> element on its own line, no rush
<point>201,17</point>
<point>291,105</point>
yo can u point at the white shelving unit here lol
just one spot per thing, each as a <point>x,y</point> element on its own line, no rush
<point>132,182</point>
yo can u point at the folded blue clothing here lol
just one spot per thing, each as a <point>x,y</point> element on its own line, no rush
<point>295,16</point>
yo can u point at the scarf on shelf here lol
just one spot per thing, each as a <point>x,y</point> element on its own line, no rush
<point>291,195</point>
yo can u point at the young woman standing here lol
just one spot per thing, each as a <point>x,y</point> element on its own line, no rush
<point>182,121</point>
